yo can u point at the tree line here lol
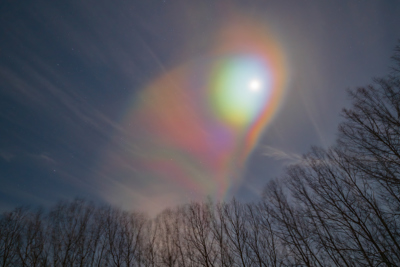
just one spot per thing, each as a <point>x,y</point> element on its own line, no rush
<point>336,207</point>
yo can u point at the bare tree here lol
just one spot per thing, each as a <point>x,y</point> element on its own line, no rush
<point>168,242</point>
<point>198,234</point>
<point>236,229</point>
<point>11,231</point>
<point>225,257</point>
<point>32,245</point>
<point>266,248</point>
<point>70,242</point>
<point>370,134</point>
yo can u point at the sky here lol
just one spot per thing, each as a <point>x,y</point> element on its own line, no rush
<point>150,104</point>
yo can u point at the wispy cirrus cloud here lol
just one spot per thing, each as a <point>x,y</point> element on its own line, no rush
<point>278,154</point>
<point>7,156</point>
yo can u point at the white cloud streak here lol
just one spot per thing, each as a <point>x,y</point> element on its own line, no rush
<point>278,154</point>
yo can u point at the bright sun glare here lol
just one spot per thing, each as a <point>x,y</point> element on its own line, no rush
<point>254,85</point>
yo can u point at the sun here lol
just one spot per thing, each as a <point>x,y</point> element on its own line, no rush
<point>254,85</point>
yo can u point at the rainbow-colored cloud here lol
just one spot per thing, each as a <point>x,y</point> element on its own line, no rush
<point>196,125</point>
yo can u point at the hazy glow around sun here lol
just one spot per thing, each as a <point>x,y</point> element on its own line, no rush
<point>241,89</point>
<point>254,85</point>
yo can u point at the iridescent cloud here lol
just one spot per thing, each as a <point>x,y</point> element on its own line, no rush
<point>196,125</point>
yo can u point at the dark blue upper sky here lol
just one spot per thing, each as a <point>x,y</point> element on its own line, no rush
<point>73,72</point>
